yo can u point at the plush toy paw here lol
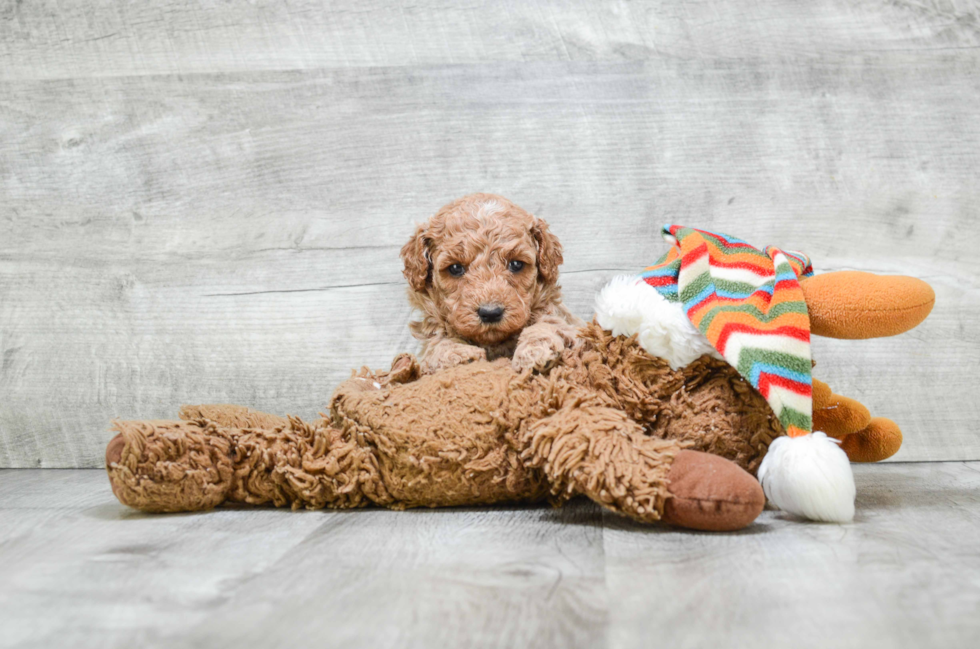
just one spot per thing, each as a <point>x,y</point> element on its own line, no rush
<point>710,493</point>
<point>169,466</point>
<point>539,352</point>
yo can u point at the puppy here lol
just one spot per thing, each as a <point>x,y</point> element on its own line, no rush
<point>484,274</point>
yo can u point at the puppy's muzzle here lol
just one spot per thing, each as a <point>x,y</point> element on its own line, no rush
<point>490,314</point>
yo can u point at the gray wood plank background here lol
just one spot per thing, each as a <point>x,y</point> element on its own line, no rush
<point>205,203</point>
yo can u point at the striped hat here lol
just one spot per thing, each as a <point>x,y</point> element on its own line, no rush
<point>749,305</point>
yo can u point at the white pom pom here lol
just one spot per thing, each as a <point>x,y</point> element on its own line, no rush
<point>628,305</point>
<point>618,305</point>
<point>809,476</point>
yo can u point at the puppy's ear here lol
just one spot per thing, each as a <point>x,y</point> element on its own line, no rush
<point>549,251</point>
<point>415,256</point>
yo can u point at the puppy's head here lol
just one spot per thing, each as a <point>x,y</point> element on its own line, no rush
<point>482,267</point>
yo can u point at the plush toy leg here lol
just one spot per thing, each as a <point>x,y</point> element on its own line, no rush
<point>170,466</point>
<point>173,466</point>
<point>601,453</point>
<point>857,305</point>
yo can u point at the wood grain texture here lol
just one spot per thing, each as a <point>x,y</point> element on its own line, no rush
<point>78,569</point>
<point>496,578</point>
<point>902,575</point>
<point>85,38</point>
<point>232,234</point>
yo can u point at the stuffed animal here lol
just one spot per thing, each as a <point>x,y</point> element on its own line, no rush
<point>647,414</point>
<point>608,421</point>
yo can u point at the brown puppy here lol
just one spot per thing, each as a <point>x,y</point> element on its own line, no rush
<point>484,274</point>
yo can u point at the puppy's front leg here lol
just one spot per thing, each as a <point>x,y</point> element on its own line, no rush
<point>540,345</point>
<point>447,352</point>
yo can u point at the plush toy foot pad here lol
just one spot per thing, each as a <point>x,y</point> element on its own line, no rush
<point>710,493</point>
<point>113,452</point>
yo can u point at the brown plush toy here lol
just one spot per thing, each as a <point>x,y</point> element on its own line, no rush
<point>610,421</point>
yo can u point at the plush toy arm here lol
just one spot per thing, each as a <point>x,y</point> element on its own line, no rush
<point>855,305</point>
<point>602,453</point>
<point>226,414</point>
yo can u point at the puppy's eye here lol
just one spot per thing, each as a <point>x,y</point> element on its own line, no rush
<point>515,266</point>
<point>456,270</point>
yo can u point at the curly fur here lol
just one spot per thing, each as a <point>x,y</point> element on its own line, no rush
<point>484,233</point>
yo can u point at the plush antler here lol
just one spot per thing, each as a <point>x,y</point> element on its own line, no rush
<point>855,305</point>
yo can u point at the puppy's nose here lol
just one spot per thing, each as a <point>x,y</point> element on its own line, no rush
<point>490,314</point>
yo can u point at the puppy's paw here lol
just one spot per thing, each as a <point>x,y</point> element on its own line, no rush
<point>451,356</point>
<point>538,353</point>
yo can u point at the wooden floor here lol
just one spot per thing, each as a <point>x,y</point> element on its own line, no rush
<point>77,569</point>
